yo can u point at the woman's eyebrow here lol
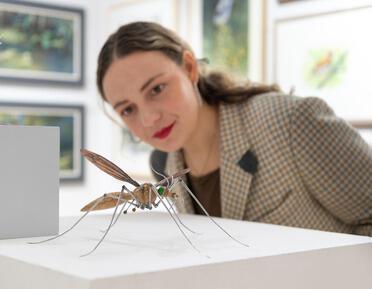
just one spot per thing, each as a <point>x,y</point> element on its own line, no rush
<point>120,103</point>
<point>148,82</point>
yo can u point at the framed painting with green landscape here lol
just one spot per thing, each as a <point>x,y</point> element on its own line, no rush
<point>226,35</point>
<point>70,120</point>
<point>41,43</point>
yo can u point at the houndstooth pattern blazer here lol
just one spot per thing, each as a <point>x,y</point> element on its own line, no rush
<point>314,170</point>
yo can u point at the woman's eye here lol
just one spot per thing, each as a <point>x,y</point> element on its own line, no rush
<point>157,89</point>
<point>127,111</point>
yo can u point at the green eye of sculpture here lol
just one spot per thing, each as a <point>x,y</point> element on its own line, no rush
<point>161,191</point>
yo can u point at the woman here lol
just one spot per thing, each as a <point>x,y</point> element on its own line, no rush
<point>255,153</point>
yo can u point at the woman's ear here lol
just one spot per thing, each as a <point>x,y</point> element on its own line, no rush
<point>190,65</point>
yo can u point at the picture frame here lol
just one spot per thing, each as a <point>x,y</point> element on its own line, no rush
<point>365,129</point>
<point>70,120</point>
<point>131,155</point>
<point>313,56</point>
<point>41,43</point>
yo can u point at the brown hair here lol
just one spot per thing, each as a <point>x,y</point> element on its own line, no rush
<point>214,86</point>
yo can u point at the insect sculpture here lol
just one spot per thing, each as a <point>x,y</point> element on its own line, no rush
<point>144,196</point>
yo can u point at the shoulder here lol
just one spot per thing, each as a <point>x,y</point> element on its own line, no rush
<point>276,106</point>
<point>273,117</point>
<point>279,103</point>
<point>314,124</point>
<point>262,110</point>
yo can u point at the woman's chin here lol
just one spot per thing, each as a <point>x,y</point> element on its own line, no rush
<point>168,147</point>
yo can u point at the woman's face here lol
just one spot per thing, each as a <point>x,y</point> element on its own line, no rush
<point>155,97</point>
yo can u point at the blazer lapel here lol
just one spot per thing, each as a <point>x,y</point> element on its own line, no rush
<point>236,167</point>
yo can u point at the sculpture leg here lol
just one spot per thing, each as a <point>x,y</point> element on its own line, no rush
<point>77,222</point>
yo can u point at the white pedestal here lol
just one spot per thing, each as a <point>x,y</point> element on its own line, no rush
<point>29,181</point>
<point>146,250</point>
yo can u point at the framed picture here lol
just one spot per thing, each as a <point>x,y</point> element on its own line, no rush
<point>41,43</point>
<point>70,120</point>
<point>225,35</point>
<point>365,130</point>
<point>132,156</point>
<point>231,36</point>
<point>327,55</point>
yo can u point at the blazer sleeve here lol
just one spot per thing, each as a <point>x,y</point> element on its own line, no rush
<point>334,162</point>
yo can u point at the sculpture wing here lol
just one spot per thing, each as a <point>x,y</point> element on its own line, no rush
<point>108,201</point>
<point>108,167</point>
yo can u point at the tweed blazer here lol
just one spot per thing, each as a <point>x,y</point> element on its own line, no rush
<point>313,169</point>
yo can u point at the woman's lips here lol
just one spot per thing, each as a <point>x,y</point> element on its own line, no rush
<point>164,132</point>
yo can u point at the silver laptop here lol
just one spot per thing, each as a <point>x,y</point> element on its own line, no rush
<point>29,181</point>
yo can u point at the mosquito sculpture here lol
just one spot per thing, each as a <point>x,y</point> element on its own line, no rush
<point>144,196</point>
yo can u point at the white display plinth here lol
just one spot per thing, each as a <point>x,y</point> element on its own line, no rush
<point>146,250</point>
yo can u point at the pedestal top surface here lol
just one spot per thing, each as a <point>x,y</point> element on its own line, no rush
<point>150,242</point>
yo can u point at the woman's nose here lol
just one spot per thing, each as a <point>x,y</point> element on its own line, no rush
<point>149,117</point>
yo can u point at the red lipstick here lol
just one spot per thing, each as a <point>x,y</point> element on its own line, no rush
<point>164,132</point>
